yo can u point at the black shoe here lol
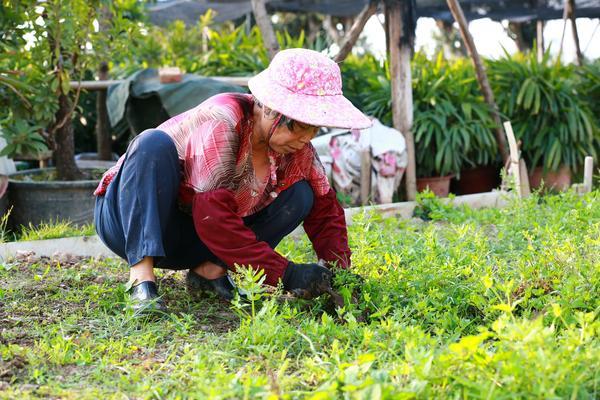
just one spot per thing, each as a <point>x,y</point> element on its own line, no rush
<point>145,299</point>
<point>223,287</point>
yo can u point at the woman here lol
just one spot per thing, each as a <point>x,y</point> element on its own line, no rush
<point>223,183</point>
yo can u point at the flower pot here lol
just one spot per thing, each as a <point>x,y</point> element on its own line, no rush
<point>36,201</point>
<point>558,180</point>
<point>477,180</point>
<point>3,205</point>
<point>439,185</point>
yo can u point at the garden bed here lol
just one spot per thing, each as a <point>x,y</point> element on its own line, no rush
<point>483,303</point>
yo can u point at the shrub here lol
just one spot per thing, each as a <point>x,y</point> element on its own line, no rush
<point>548,112</point>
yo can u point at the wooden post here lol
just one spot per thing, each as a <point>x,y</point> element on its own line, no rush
<point>459,16</point>
<point>365,176</point>
<point>103,139</point>
<point>398,17</point>
<point>266,28</point>
<point>587,174</point>
<point>517,167</point>
<point>352,36</point>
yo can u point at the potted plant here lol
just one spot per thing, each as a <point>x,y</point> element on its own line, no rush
<point>482,164</point>
<point>63,43</point>
<point>549,115</point>
<point>452,124</point>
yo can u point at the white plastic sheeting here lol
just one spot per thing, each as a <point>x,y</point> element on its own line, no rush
<point>340,152</point>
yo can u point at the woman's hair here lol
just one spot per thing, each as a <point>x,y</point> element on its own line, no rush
<point>272,114</point>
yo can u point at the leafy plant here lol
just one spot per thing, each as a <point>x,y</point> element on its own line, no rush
<point>366,83</point>
<point>64,40</point>
<point>22,139</point>
<point>548,112</point>
<point>452,124</point>
<point>589,86</point>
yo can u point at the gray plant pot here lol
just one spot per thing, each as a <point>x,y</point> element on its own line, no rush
<point>4,204</point>
<point>43,201</point>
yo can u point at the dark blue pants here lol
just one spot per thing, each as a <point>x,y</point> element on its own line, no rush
<point>139,215</point>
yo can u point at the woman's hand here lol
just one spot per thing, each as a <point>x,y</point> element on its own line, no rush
<point>307,281</point>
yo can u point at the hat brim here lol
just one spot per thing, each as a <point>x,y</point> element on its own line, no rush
<point>327,111</point>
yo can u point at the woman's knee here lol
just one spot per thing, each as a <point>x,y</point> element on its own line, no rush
<point>155,145</point>
<point>300,200</point>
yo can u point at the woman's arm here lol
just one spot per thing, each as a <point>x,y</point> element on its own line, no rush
<point>225,234</point>
<point>326,223</point>
<point>326,229</point>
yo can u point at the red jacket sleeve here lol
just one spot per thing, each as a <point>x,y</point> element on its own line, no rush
<point>326,229</point>
<point>225,234</point>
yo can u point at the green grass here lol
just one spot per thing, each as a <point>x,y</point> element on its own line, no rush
<point>45,230</point>
<point>485,304</point>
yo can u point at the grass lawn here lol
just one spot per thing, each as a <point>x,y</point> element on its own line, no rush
<point>492,304</point>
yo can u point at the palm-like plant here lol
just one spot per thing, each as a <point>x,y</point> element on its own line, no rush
<point>452,124</point>
<point>366,83</point>
<point>547,110</point>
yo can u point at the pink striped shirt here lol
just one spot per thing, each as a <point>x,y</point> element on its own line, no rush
<point>213,141</point>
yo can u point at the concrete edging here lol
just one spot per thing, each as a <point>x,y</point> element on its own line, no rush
<point>92,246</point>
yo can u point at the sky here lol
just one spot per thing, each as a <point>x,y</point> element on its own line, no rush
<point>490,37</point>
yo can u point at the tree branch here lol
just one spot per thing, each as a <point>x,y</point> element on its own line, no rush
<point>352,36</point>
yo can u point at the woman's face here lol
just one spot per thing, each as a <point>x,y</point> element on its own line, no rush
<point>285,140</point>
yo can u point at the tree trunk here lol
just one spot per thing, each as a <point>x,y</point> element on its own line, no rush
<point>398,17</point>
<point>352,36</point>
<point>516,28</point>
<point>64,151</point>
<point>266,28</point>
<point>103,139</point>
<point>459,16</point>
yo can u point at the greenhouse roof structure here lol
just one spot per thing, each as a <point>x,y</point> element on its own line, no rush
<point>516,10</point>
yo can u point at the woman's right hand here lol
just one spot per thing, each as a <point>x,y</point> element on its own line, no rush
<point>307,281</point>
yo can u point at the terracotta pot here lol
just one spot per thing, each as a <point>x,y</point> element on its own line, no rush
<point>439,185</point>
<point>477,180</point>
<point>559,180</point>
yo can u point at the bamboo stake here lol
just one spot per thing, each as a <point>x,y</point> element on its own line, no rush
<point>540,39</point>
<point>517,167</point>
<point>103,85</point>
<point>357,27</point>
<point>587,174</point>
<point>365,176</point>
<point>459,16</point>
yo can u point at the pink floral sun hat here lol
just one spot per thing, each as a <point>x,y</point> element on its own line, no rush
<point>306,86</point>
